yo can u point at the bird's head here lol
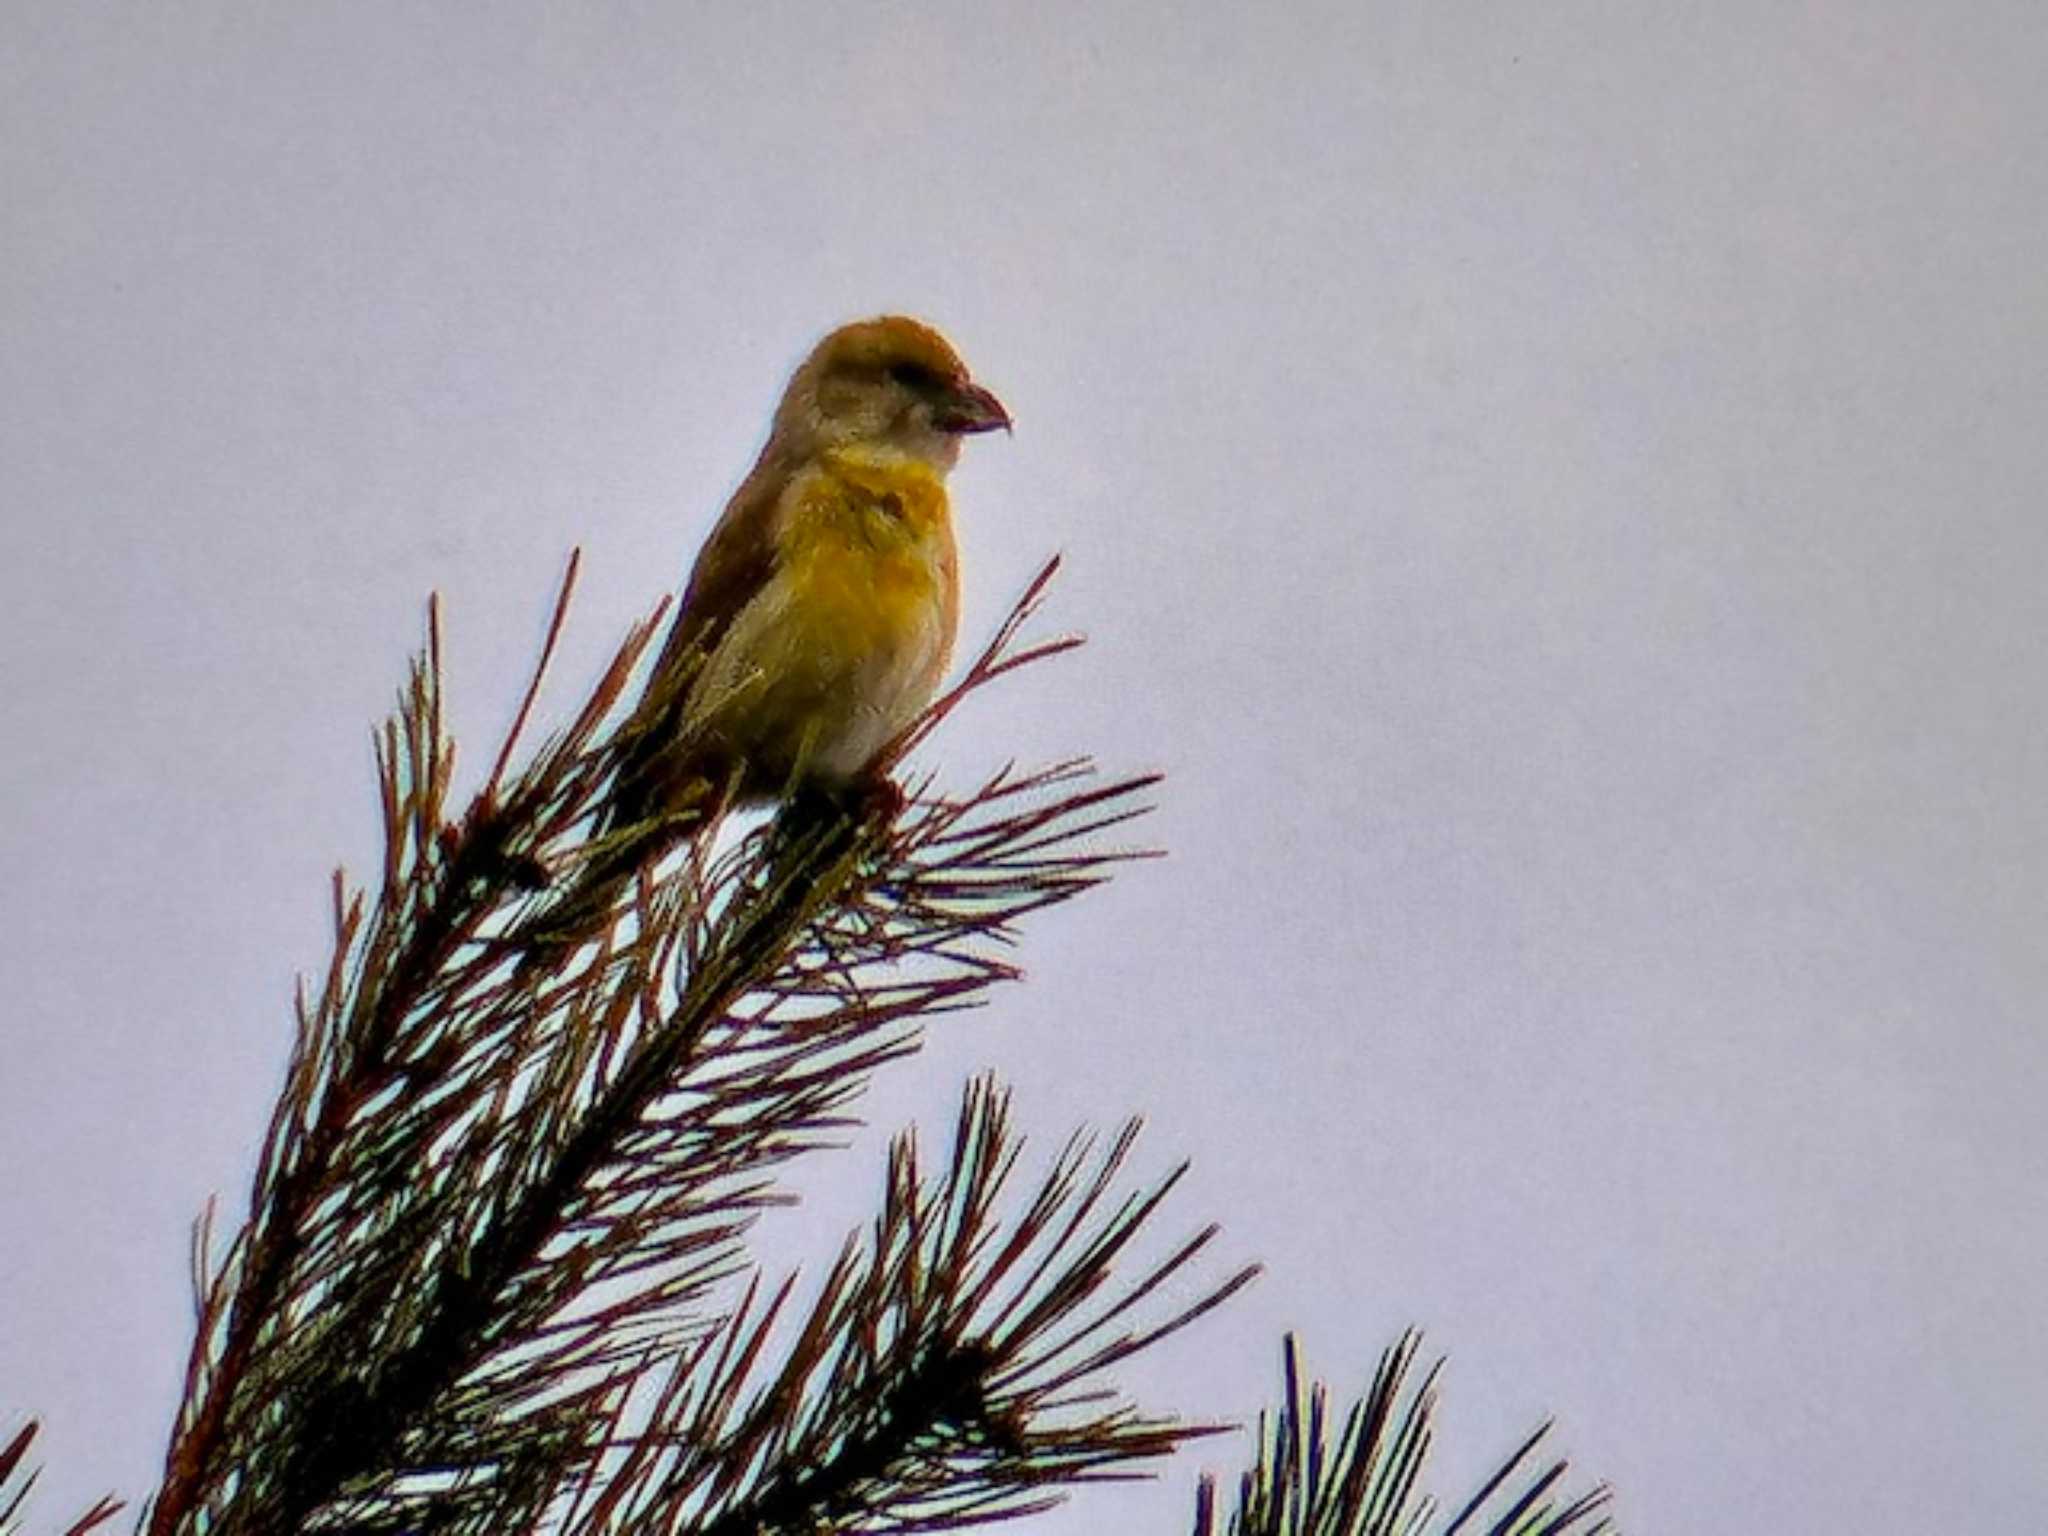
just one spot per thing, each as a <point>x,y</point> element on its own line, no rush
<point>892,384</point>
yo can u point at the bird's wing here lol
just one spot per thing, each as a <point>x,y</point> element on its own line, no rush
<point>736,562</point>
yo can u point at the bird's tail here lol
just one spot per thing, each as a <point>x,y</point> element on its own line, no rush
<point>814,835</point>
<point>584,910</point>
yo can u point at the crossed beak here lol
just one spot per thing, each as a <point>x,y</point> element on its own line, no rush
<point>969,408</point>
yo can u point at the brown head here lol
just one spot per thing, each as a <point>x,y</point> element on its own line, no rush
<point>893,384</point>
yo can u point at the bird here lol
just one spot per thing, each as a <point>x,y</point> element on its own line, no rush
<point>819,618</point>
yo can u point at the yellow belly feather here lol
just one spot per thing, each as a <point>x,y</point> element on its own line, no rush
<point>850,638</point>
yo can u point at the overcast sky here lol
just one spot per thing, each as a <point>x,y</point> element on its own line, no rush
<point>1557,488</point>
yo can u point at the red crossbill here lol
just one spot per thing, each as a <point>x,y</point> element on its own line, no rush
<point>819,618</point>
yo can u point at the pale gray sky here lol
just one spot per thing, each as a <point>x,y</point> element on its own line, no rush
<point>1557,487</point>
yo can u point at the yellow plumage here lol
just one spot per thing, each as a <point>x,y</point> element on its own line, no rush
<point>848,640</point>
<point>819,616</point>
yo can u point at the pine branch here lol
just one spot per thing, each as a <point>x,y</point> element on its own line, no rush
<point>348,1131</point>
<point>490,1190</point>
<point>1368,1482</point>
<point>502,1197</point>
<point>949,1373</point>
<point>17,1478</point>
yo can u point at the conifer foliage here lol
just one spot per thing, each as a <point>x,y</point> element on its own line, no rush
<point>493,1273</point>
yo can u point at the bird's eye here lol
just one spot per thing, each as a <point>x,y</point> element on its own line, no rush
<point>914,376</point>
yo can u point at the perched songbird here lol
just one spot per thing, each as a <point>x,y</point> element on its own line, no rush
<point>820,615</point>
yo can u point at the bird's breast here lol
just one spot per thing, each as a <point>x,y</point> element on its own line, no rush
<point>873,546</point>
<point>853,635</point>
